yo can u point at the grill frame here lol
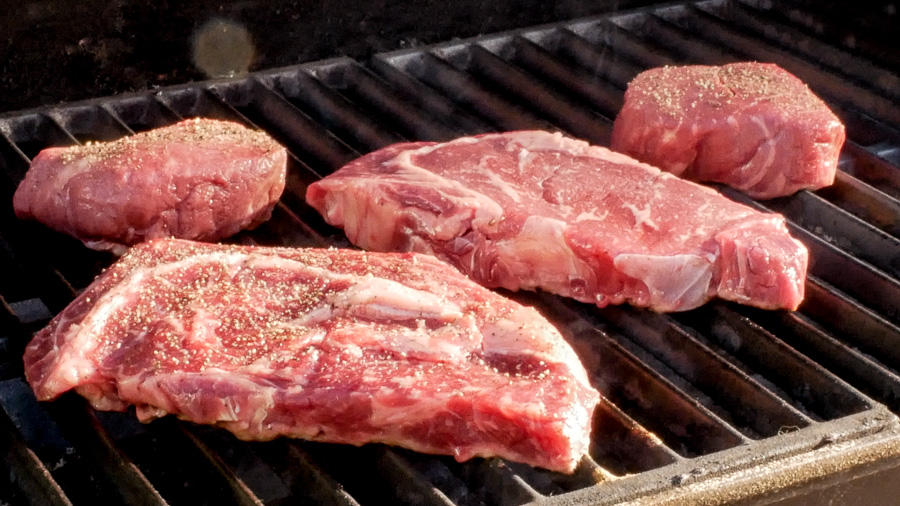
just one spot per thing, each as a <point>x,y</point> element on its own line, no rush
<point>847,440</point>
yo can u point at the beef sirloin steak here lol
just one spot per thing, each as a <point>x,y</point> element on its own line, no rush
<point>200,179</point>
<point>528,210</point>
<point>323,344</point>
<point>753,126</point>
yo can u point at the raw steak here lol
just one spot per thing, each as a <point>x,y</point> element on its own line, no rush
<point>200,179</point>
<point>539,210</point>
<point>329,345</point>
<point>752,126</point>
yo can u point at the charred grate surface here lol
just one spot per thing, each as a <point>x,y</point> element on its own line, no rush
<point>724,385</point>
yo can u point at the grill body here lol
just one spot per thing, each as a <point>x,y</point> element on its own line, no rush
<point>716,405</point>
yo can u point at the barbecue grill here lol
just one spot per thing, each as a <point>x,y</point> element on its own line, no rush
<point>722,404</point>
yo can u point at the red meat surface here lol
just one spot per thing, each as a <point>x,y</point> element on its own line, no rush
<point>752,126</point>
<point>199,179</point>
<point>536,210</point>
<point>328,345</point>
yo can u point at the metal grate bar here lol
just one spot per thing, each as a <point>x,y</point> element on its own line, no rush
<point>89,123</point>
<point>836,89</point>
<point>837,60</point>
<point>332,111</point>
<point>40,245</point>
<point>682,46</point>
<point>410,486</point>
<point>626,447</point>
<point>34,132</point>
<point>479,101</point>
<point>865,201</point>
<point>866,130</point>
<point>141,113</point>
<point>861,327</point>
<point>850,363</point>
<point>609,50</point>
<point>841,229</point>
<point>307,482</point>
<point>319,149</point>
<point>441,477</point>
<point>642,392</point>
<point>12,160</point>
<point>497,483</point>
<point>67,450</point>
<point>379,484</point>
<point>586,87</point>
<point>36,279</point>
<point>15,284</point>
<point>116,476</point>
<point>13,338</point>
<point>767,354</point>
<point>431,104</point>
<point>596,58</point>
<point>23,477</point>
<point>871,168</point>
<point>749,404</point>
<point>194,101</point>
<point>513,82</point>
<point>847,29</point>
<point>191,478</point>
<point>248,464</point>
<point>856,278</point>
<point>379,99</point>
<point>233,487</point>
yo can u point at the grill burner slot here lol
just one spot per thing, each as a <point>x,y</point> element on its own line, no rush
<point>688,396</point>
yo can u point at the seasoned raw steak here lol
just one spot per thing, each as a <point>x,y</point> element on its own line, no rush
<point>752,126</point>
<point>539,210</point>
<point>329,345</point>
<point>200,179</point>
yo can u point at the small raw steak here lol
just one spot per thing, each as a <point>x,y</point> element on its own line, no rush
<point>752,126</point>
<point>528,210</point>
<point>329,345</point>
<point>200,179</point>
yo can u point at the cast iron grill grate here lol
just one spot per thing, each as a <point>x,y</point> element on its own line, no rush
<point>722,384</point>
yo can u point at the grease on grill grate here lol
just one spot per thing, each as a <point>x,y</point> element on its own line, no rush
<point>677,387</point>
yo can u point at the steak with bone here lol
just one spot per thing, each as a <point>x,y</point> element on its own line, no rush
<point>332,345</point>
<point>537,210</point>
<point>200,179</point>
<point>753,126</point>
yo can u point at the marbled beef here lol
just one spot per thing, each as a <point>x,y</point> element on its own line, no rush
<point>540,210</point>
<point>199,179</point>
<point>752,126</point>
<point>329,345</point>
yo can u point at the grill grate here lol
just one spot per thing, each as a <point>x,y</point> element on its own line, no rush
<point>690,398</point>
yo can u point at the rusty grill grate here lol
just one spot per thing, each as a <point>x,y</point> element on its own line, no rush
<point>689,396</point>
